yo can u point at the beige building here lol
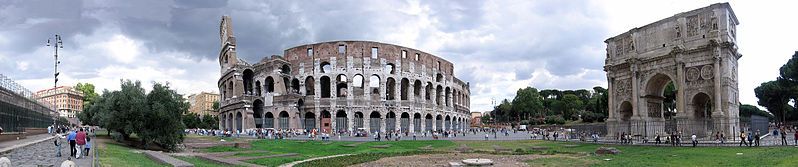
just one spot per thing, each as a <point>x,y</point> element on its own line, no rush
<point>202,103</point>
<point>67,100</point>
<point>476,119</point>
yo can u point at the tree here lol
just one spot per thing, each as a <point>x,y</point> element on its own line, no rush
<point>527,102</point>
<point>774,97</point>
<point>572,106</point>
<point>210,121</point>
<point>746,111</point>
<point>162,122</point>
<point>89,96</point>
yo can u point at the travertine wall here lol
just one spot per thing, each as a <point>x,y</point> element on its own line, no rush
<point>697,51</point>
<point>295,91</point>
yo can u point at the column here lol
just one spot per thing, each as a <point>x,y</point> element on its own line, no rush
<point>680,97</point>
<point>635,96</point>
<point>350,117</point>
<point>411,126</point>
<point>610,98</point>
<point>718,100</point>
<point>397,122</point>
<point>382,122</point>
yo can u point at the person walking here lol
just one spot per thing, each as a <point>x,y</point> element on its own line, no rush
<point>656,139</point>
<point>756,138</point>
<point>71,139</point>
<point>57,142</point>
<point>80,140</point>
<point>783,137</point>
<point>750,139</point>
<point>693,138</point>
<point>742,138</point>
<point>88,147</point>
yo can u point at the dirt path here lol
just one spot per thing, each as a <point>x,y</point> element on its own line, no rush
<point>444,159</point>
<point>317,158</point>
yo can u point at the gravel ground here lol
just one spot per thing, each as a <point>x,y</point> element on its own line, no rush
<point>444,159</point>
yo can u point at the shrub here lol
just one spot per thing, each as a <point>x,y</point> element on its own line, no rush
<point>555,119</point>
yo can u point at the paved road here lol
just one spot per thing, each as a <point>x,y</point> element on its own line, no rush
<point>43,154</point>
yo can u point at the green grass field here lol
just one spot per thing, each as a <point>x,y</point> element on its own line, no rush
<point>112,154</point>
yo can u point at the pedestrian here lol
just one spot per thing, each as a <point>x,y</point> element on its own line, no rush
<point>88,146</point>
<point>1,129</point>
<point>722,137</point>
<point>756,138</point>
<point>783,137</point>
<point>750,139</point>
<point>742,138</point>
<point>57,142</point>
<point>693,138</point>
<point>80,140</point>
<point>414,135</point>
<point>71,139</point>
<point>486,135</point>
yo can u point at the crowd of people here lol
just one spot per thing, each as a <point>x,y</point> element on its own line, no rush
<point>78,138</point>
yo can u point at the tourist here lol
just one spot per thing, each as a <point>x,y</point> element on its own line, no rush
<point>756,138</point>
<point>486,135</point>
<point>783,136</point>
<point>50,129</point>
<point>743,136</point>
<point>80,140</point>
<point>750,139</point>
<point>656,138</point>
<point>555,136</point>
<point>57,142</point>
<point>722,137</point>
<point>414,135</point>
<point>693,138</point>
<point>71,139</point>
<point>1,129</point>
<point>795,137</point>
<point>88,146</point>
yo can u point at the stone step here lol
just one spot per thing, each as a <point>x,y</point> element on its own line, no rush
<point>166,159</point>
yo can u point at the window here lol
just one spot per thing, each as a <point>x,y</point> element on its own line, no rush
<point>341,49</point>
<point>310,52</point>
<point>374,52</point>
<point>417,55</point>
<point>404,54</point>
<point>439,65</point>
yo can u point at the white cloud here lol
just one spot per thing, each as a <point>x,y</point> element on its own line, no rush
<point>122,49</point>
<point>22,65</point>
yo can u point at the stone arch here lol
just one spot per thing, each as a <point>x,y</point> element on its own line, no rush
<point>285,69</point>
<point>438,93</point>
<point>310,121</point>
<point>358,120</point>
<point>287,84</point>
<point>248,80</point>
<point>701,105</point>
<point>417,122</point>
<point>257,88</point>
<point>428,91</point>
<point>417,89</point>
<point>269,84</point>
<point>326,121</point>
<point>295,85</point>
<point>268,121</point>
<point>257,107</point>
<point>284,120</point>
<point>439,77</point>
<point>341,85</point>
<point>230,121</point>
<point>390,121</point>
<point>625,111</point>
<point>357,85</point>
<point>374,86</point>
<point>428,122</point>
<point>375,120</point>
<point>325,87</point>
<point>654,95</point>
<point>310,83</point>
<point>390,89</point>
<point>341,121</point>
<point>447,96</point>
<point>447,124</point>
<point>405,84</point>
<point>325,67</point>
<point>390,68</point>
<point>404,122</point>
<point>439,122</point>
<point>239,121</point>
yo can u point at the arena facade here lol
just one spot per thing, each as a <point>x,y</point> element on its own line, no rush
<point>340,86</point>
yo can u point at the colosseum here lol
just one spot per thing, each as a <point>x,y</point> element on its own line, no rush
<point>340,86</point>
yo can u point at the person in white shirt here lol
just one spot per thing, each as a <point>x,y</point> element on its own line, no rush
<point>694,140</point>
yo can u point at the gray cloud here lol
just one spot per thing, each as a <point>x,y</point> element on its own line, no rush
<point>540,43</point>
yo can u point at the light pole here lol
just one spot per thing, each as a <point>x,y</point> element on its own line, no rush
<point>57,44</point>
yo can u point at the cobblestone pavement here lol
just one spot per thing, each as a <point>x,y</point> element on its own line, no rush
<point>43,154</point>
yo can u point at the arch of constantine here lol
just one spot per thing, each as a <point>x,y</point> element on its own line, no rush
<point>340,86</point>
<point>696,52</point>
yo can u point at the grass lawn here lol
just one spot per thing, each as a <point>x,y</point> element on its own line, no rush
<point>310,149</point>
<point>650,155</point>
<point>199,162</point>
<point>112,154</point>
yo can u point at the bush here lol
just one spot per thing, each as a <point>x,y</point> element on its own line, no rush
<point>555,119</point>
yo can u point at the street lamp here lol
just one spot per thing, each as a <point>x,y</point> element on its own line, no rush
<point>57,44</point>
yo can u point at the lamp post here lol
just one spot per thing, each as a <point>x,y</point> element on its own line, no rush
<point>57,44</point>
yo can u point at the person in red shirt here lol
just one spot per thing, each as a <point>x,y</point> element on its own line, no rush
<point>80,139</point>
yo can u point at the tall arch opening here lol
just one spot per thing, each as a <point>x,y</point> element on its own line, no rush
<point>341,85</point>
<point>295,85</point>
<point>257,88</point>
<point>285,69</point>
<point>358,120</point>
<point>326,121</point>
<point>660,100</point>
<point>390,121</point>
<point>309,86</point>
<point>374,85</point>
<point>257,107</point>
<point>269,84</point>
<point>702,106</point>
<point>325,87</point>
<point>417,122</point>
<point>390,89</point>
<point>357,85</point>
<point>405,84</point>
<point>341,122</point>
<point>248,75</point>
<point>310,121</point>
<point>239,121</point>
<point>626,111</point>
<point>374,121</point>
<point>417,90</point>
<point>428,122</point>
<point>404,122</point>
<point>325,67</point>
<point>268,121</point>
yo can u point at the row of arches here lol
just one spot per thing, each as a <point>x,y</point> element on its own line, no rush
<point>437,93</point>
<point>350,121</point>
<point>661,99</point>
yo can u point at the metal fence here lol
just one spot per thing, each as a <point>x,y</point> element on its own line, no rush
<point>703,128</point>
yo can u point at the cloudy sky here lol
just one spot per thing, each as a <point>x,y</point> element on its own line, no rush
<point>497,46</point>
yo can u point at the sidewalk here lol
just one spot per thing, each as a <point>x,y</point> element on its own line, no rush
<point>38,150</point>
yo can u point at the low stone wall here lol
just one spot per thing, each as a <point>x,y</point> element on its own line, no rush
<point>11,136</point>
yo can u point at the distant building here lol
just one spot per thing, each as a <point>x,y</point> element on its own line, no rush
<point>67,100</point>
<point>476,118</point>
<point>202,103</point>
